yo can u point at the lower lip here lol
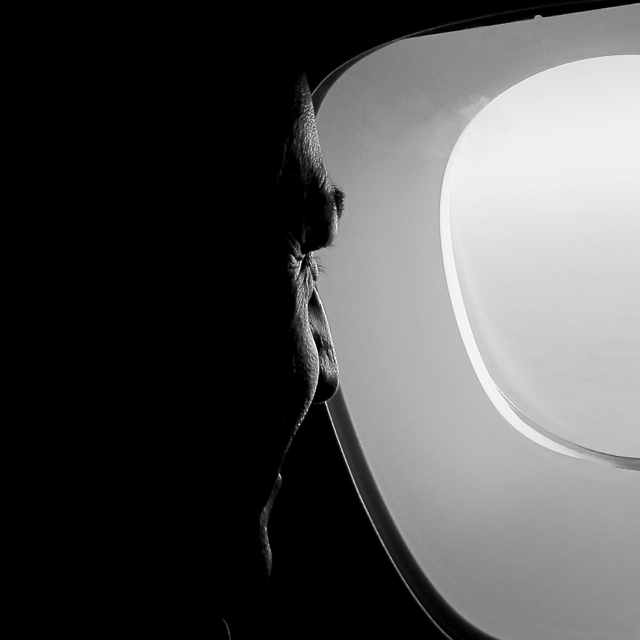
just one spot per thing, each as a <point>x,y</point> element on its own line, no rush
<point>274,492</point>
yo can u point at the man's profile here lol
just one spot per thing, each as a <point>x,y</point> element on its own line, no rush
<point>302,363</point>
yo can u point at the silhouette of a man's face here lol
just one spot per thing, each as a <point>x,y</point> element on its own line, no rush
<point>296,362</point>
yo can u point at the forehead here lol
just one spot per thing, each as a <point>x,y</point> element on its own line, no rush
<point>307,132</point>
<point>293,126</point>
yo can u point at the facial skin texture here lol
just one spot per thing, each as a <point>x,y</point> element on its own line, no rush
<point>302,366</point>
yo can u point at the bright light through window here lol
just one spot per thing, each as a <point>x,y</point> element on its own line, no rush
<point>541,237</point>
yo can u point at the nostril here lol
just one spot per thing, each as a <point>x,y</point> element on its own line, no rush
<point>327,387</point>
<point>328,378</point>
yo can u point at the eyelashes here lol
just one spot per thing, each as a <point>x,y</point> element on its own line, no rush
<point>311,263</point>
<point>319,265</point>
<point>338,198</point>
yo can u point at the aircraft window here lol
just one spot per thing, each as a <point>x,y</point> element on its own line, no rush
<point>540,227</point>
<point>521,542</point>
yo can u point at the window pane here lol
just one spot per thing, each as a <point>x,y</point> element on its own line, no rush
<point>543,210</point>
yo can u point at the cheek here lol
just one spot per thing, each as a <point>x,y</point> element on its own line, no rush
<point>307,365</point>
<point>295,380</point>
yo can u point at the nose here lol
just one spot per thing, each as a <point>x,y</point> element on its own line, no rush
<point>328,363</point>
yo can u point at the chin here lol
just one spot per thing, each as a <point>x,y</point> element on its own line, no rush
<point>264,533</point>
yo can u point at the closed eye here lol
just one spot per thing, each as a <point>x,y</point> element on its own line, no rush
<point>325,211</point>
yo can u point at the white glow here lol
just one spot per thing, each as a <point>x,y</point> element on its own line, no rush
<point>541,216</point>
